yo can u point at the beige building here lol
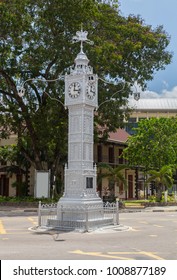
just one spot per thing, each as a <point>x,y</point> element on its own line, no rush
<point>110,153</point>
<point>148,108</point>
<point>6,180</point>
<point>11,176</point>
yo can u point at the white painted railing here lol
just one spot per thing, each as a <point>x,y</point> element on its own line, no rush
<point>81,217</point>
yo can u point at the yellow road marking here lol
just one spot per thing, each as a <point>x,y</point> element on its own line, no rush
<point>112,255</point>
<point>149,254</point>
<point>152,255</point>
<point>99,254</point>
<point>2,229</point>
<point>32,221</point>
<point>18,233</point>
<point>125,253</point>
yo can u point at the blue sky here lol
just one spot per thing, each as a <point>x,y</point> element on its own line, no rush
<point>158,12</point>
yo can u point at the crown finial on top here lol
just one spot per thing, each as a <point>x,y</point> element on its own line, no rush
<point>81,36</point>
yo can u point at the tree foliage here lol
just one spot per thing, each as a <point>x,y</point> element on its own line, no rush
<point>163,179</point>
<point>36,43</point>
<point>114,175</point>
<point>154,143</point>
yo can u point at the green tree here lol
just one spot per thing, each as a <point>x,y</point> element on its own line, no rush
<point>113,174</point>
<point>163,179</point>
<point>154,144</point>
<point>36,43</point>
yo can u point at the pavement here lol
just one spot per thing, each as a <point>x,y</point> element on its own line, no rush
<point>139,236</point>
<point>18,210</point>
<point>142,239</point>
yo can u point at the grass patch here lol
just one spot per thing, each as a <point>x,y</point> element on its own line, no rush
<point>135,201</point>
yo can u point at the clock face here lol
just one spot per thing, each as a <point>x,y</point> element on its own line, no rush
<point>74,90</point>
<point>91,91</point>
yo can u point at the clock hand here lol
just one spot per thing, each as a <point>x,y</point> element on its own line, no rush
<point>75,89</point>
<point>92,90</point>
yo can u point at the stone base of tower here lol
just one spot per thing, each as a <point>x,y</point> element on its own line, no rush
<point>84,200</point>
<point>80,214</point>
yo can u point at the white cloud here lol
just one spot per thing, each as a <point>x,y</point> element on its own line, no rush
<point>149,94</point>
<point>152,94</point>
<point>144,94</point>
<point>164,94</point>
<point>170,94</point>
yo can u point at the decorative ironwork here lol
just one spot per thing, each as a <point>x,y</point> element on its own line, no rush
<point>81,36</point>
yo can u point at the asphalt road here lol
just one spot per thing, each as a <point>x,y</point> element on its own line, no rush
<point>151,236</point>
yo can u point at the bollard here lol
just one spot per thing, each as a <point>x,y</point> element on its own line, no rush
<point>39,214</point>
<point>86,220</point>
<point>166,196</point>
<point>175,195</point>
<point>117,211</point>
<point>62,213</point>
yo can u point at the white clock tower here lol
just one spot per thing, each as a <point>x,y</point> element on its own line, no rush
<point>81,99</point>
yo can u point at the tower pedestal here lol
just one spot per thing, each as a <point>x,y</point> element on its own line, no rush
<point>80,188</point>
<point>80,207</point>
<point>80,204</point>
<point>82,214</point>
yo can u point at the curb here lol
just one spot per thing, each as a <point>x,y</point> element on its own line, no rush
<point>161,210</point>
<point>19,210</point>
<point>31,210</point>
<point>146,210</point>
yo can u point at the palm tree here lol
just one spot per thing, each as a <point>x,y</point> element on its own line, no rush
<point>114,174</point>
<point>163,179</point>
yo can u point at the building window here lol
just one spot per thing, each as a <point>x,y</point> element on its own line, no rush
<point>3,162</point>
<point>132,123</point>
<point>99,153</point>
<point>121,160</point>
<point>111,154</point>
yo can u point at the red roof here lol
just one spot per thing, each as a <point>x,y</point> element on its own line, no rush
<point>120,136</point>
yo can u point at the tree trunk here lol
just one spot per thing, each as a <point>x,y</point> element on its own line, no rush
<point>159,192</point>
